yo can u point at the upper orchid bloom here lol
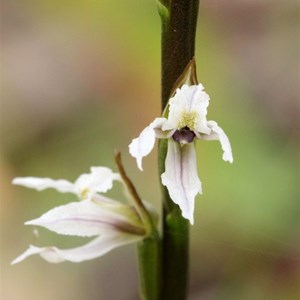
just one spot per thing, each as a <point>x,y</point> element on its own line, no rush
<point>183,121</point>
<point>113,223</point>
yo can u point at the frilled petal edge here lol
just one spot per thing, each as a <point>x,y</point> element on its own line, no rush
<point>91,250</point>
<point>143,145</point>
<point>181,177</point>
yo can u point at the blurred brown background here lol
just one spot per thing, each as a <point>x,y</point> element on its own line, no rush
<point>81,78</point>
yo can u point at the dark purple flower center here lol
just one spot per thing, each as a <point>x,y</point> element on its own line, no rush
<point>183,136</point>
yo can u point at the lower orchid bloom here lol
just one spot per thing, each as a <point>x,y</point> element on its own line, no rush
<point>113,223</point>
<point>183,122</point>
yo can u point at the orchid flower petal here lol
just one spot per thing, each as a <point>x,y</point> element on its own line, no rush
<point>125,210</point>
<point>99,180</point>
<point>188,108</point>
<point>217,133</point>
<point>181,177</point>
<point>122,211</point>
<point>91,250</point>
<point>144,144</point>
<point>37,183</point>
<point>87,218</point>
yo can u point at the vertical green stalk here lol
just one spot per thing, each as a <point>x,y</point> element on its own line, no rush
<point>149,255</point>
<point>179,20</point>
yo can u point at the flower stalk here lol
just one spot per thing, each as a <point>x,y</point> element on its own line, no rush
<point>179,20</point>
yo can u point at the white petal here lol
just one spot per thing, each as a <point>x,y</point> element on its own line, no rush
<point>99,180</point>
<point>121,211</point>
<point>188,101</point>
<point>86,218</point>
<point>181,177</point>
<point>91,250</point>
<point>217,133</point>
<point>143,145</point>
<point>30,251</point>
<point>61,185</point>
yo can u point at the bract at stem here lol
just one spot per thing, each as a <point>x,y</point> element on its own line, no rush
<point>137,202</point>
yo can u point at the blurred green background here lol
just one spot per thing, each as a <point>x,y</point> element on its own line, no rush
<point>82,78</point>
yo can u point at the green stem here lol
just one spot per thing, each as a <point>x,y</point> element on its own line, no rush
<point>179,20</point>
<point>149,254</point>
<point>178,41</point>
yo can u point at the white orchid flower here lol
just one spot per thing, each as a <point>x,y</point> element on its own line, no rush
<point>183,122</point>
<point>99,180</point>
<point>113,223</point>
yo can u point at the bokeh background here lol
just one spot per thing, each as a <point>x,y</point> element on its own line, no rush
<point>82,78</point>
